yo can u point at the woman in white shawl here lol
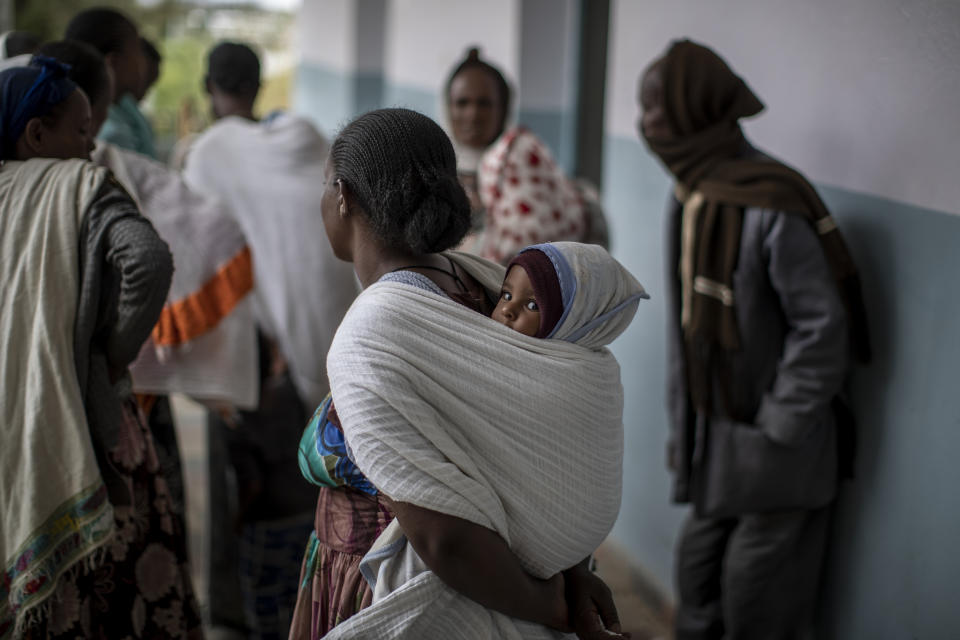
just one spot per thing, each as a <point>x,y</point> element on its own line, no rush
<point>392,203</point>
<point>88,542</point>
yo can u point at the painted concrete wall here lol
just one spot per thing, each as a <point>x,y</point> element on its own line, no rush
<point>877,79</point>
<point>425,39</point>
<point>548,74</point>
<point>356,55</point>
<point>327,46</point>
<point>863,97</point>
<point>408,47</point>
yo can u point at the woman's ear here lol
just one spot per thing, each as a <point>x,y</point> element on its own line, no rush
<point>345,199</point>
<point>33,137</point>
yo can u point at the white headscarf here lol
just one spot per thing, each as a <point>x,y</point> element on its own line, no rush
<point>600,296</point>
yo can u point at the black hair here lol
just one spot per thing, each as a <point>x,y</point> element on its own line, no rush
<point>18,43</point>
<point>87,67</point>
<point>401,167</point>
<point>149,51</point>
<point>234,68</point>
<point>107,30</point>
<point>473,61</point>
<point>32,99</point>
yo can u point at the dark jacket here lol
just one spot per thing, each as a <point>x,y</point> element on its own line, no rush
<point>774,444</point>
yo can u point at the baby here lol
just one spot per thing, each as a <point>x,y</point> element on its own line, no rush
<point>562,290</point>
<point>568,291</point>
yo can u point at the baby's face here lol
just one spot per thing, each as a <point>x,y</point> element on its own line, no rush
<point>517,307</point>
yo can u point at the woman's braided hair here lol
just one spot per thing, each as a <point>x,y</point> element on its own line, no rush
<point>401,167</point>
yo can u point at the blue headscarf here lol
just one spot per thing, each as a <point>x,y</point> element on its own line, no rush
<point>29,92</point>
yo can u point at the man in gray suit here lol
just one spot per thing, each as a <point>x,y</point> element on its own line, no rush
<point>765,316</point>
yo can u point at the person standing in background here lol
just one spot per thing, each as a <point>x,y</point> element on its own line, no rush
<point>478,104</point>
<point>151,68</point>
<point>266,171</point>
<point>91,545</point>
<point>89,71</point>
<point>269,174</point>
<point>518,194</point>
<point>151,73</point>
<point>204,344</point>
<point>765,316</point>
<point>116,38</point>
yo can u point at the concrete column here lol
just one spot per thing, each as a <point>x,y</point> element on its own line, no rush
<point>549,48</point>
<point>340,74</point>
<point>371,37</point>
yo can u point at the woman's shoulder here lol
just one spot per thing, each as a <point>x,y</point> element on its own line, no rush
<point>80,178</point>
<point>392,298</point>
<point>399,298</point>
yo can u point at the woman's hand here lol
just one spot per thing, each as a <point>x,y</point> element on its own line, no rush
<point>555,594</point>
<point>593,614</point>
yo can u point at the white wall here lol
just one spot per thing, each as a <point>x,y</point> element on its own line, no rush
<point>409,47</point>
<point>861,94</point>
<point>327,36</point>
<point>371,36</point>
<point>425,38</point>
<point>548,50</point>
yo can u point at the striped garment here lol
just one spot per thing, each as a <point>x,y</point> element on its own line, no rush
<point>204,343</point>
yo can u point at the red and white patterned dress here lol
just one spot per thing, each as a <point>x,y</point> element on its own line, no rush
<point>527,197</point>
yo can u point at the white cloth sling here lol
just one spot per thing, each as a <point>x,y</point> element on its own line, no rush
<point>53,508</point>
<point>451,411</point>
<point>270,176</point>
<point>205,342</point>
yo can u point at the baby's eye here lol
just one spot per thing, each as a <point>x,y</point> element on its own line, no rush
<point>532,305</point>
<point>505,295</point>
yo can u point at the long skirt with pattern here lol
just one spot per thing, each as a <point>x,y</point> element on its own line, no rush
<point>141,588</point>
<point>331,587</point>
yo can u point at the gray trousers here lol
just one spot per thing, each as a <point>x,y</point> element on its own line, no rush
<point>755,576</point>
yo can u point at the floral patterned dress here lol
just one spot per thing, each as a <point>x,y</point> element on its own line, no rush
<point>140,587</point>
<point>350,515</point>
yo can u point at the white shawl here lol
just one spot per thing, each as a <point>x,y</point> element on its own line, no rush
<point>205,342</point>
<point>451,411</point>
<point>54,511</point>
<point>270,176</point>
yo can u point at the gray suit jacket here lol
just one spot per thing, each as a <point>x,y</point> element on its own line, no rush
<point>776,447</point>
